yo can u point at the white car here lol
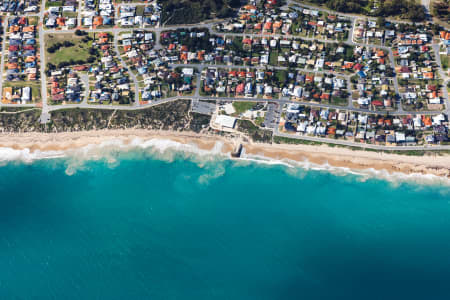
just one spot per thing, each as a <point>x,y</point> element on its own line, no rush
<point>30,9</point>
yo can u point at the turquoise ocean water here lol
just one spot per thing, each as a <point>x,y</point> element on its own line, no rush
<point>143,227</point>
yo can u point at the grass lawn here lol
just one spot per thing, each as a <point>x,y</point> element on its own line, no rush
<point>56,3</point>
<point>242,107</point>
<point>33,21</point>
<point>445,60</point>
<point>80,51</point>
<point>273,58</point>
<point>139,10</point>
<point>259,121</point>
<point>70,14</point>
<point>281,76</point>
<point>339,101</point>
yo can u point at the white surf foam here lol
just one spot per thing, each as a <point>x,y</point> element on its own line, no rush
<point>362,174</point>
<point>168,150</point>
<point>25,155</point>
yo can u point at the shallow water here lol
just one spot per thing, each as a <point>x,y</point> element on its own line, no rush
<point>149,225</point>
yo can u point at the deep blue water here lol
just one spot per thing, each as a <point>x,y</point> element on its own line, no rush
<point>153,229</point>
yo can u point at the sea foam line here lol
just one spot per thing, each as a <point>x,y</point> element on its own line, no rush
<point>26,155</point>
<point>166,149</point>
<point>362,174</point>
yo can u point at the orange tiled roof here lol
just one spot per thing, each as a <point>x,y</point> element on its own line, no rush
<point>427,120</point>
<point>28,28</point>
<point>277,25</point>
<point>12,66</point>
<point>61,21</point>
<point>98,21</point>
<point>14,28</point>
<point>200,55</point>
<point>249,7</point>
<point>428,75</point>
<point>325,96</point>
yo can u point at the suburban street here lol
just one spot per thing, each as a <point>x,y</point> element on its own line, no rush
<point>2,66</point>
<point>426,4</point>
<point>211,26</point>
<point>130,72</point>
<point>45,116</point>
<point>444,77</point>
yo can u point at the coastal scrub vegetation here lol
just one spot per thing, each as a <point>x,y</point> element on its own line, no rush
<point>441,10</point>
<point>25,121</point>
<point>199,122</point>
<point>195,11</point>
<point>285,140</point>
<point>168,116</point>
<point>254,132</point>
<point>410,9</point>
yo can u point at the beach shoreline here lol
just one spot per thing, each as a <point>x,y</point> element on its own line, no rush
<point>433,164</point>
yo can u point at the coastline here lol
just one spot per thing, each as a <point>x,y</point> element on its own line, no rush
<point>357,160</point>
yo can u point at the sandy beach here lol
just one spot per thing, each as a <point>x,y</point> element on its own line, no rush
<point>438,165</point>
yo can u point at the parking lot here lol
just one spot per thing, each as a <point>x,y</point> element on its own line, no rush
<point>203,107</point>
<point>270,120</point>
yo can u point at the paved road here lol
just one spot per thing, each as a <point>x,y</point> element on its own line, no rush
<point>198,85</point>
<point>5,28</point>
<point>391,60</point>
<point>203,107</point>
<point>45,116</point>
<point>350,90</point>
<point>211,26</point>
<point>274,35</point>
<point>426,4</point>
<point>85,79</point>
<point>350,41</point>
<point>444,77</point>
<point>241,99</point>
<point>200,67</point>
<point>271,117</point>
<point>80,8</point>
<point>130,72</point>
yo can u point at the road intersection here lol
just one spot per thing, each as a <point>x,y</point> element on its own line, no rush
<point>211,26</point>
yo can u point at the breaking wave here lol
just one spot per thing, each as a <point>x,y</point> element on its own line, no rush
<point>112,151</point>
<point>26,155</point>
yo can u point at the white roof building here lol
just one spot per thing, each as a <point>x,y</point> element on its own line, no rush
<point>26,94</point>
<point>188,71</point>
<point>225,121</point>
